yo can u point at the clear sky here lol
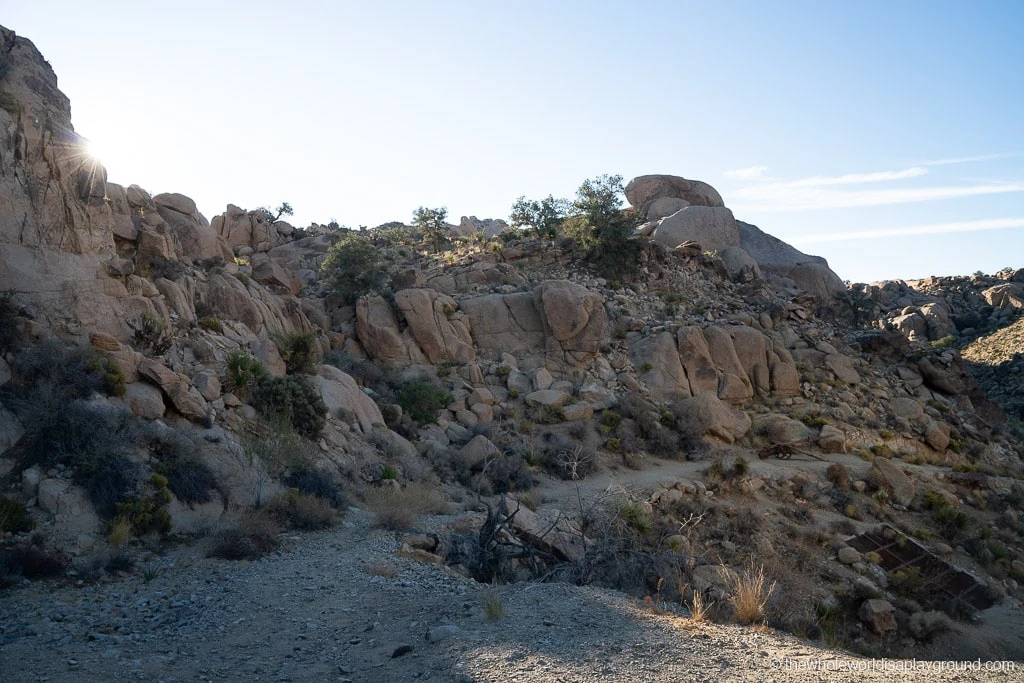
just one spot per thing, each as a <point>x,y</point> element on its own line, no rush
<point>886,136</point>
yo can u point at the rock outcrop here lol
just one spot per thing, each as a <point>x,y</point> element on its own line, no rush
<point>680,210</point>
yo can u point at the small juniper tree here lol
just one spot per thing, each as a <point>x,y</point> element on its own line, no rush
<point>274,215</point>
<point>354,266</point>
<point>601,228</point>
<point>431,222</point>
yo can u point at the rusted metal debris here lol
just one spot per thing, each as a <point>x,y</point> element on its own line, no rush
<point>938,584</point>
<point>785,451</point>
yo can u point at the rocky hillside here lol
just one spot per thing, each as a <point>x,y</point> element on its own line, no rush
<point>169,377</point>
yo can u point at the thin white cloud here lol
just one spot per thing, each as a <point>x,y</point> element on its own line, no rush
<point>749,173</point>
<point>783,197</point>
<point>967,160</point>
<point>933,229</point>
<point>857,178</point>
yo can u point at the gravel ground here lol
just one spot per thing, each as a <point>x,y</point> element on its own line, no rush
<point>340,605</point>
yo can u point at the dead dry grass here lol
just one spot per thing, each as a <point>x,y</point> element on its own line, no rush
<point>750,592</point>
<point>399,508</point>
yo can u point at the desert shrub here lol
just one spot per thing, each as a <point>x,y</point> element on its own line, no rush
<point>399,508</point>
<point>723,472</point>
<point>392,414</point>
<point>31,562</point>
<point>950,520</point>
<point>297,510</point>
<point>299,351</point>
<point>119,531</point>
<point>354,267</point>
<point>96,440</point>
<point>422,400</point>
<point>74,371</point>
<point>839,475</point>
<point>148,512</point>
<point>945,342</point>
<point>211,324</point>
<point>634,515</point>
<point>881,450</point>
<point>813,420</point>
<point>151,335</point>
<point>155,268</point>
<point>292,398</point>
<point>188,477</point>
<point>927,625</point>
<point>13,516</point>
<point>313,482</point>
<point>610,420</point>
<point>366,372</point>
<point>243,372</point>
<point>119,561</point>
<point>10,332</point>
<point>509,473</point>
<point>570,461</point>
<point>246,539</point>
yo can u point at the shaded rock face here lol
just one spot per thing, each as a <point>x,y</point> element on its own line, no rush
<point>193,236</point>
<point>681,210</point>
<point>340,392</point>
<point>810,273</point>
<point>377,327</point>
<point>715,418</point>
<point>441,332</point>
<point>734,363</point>
<point>507,323</point>
<point>574,318</point>
<point>240,229</point>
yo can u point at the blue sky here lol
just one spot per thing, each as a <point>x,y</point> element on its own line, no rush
<point>887,137</point>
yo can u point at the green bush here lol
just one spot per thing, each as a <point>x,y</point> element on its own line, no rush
<point>113,379</point>
<point>602,229</point>
<point>354,267</point>
<point>148,513</point>
<point>946,342</point>
<point>73,371</point>
<point>422,400</point>
<point>299,351</point>
<point>98,443</point>
<point>544,216</point>
<point>243,372</point>
<point>292,398</point>
<point>13,516</point>
<point>10,332</point>
<point>314,482</point>
<point>188,477</point>
<point>211,324</point>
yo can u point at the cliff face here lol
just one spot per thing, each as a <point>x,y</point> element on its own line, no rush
<point>82,255</point>
<point>56,229</point>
